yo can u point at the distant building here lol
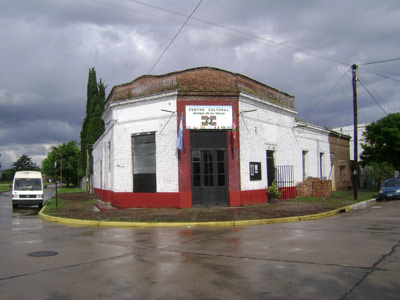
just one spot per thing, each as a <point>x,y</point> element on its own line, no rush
<point>349,130</point>
<point>364,181</point>
<point>203,137</point>
<point>340,160</point>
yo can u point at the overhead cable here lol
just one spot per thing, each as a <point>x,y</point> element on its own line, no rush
<point>253,36</point>
<point>382,75</point>
<point>175,36</point>
<point>380,61</point>
<point>372,96</point>
<point>327,93</point>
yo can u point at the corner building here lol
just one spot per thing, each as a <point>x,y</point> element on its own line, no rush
<point>238,136</point>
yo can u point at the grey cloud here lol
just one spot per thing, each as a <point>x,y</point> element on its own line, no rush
<point>48,46</point>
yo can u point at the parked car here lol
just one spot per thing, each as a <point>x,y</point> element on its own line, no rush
<point>390,189</point>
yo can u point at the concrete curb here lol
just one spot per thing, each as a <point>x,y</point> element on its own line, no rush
<point>363,204</point>
<point>77,222</point>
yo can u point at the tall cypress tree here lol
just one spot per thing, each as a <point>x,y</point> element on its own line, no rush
<point>93,125</point>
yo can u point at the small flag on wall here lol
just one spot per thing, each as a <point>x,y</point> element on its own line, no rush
<point>234,135</point>
<point>179,139</point>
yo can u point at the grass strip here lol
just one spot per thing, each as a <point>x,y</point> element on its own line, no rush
<point>5,187</point>
<point>339,199</point>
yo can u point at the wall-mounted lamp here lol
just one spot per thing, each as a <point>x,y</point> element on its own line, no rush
<point>300,126</point>
<point>247,111</point>
<point>169,111</point>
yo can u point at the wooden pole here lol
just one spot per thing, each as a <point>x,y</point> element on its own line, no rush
<point>355,112</point>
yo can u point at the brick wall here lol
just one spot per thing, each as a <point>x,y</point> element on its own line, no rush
<point>314,187</point>
<point>340,156</point>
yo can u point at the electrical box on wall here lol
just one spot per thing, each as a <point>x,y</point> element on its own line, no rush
<point>255,171</point>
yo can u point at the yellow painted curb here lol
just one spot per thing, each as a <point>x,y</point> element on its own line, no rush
<point>293,219</point>
<point>67,221</point>
<point>77,222</point>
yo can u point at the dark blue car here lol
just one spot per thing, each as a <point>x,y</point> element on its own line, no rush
<point>390,189</point>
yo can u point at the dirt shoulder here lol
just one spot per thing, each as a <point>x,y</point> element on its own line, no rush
<point>86,207</point>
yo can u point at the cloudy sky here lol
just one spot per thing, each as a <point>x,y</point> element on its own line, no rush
<point>304,48</point>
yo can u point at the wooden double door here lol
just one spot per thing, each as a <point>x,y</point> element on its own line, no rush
<point>209,168</point>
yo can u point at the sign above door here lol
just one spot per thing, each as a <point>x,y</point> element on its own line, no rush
<point>208,117</point>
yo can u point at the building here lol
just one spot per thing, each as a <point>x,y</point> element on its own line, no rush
<point>203,137</point>
<point>349,130</point>
<point>364,179</point>
<point>340,160</point>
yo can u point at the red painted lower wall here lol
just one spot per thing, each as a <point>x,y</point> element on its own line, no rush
<point>141,200</point>
<point>253,197</point>
<point>288,192</point>
<point>181,200</point>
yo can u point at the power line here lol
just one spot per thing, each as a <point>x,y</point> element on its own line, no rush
<point>158,7</point>
<point>250,35</point>
<point>327,93</point>
<point>153,15</point>
<point>372,96</point>
<point>176,35</point>
<point>380,61</point>
<point>135,11</point>
<point>382,75</point>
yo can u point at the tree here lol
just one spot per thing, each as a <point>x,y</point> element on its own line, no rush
<point>383,142</point>
<point>93,125</point>
<point>24,163</point>
<point>0,162</point>
<point>66,156</point>
<point>380,172</point>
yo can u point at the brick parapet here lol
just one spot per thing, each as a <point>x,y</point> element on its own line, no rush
<point>203,80</point>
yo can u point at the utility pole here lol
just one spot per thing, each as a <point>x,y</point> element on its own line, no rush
<point>355,112</point>
<point>61,168</point>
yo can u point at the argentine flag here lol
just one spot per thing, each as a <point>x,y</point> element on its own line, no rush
<point>180,136</point>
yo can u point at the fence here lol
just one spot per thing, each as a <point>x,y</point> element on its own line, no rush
<point>284,177</point>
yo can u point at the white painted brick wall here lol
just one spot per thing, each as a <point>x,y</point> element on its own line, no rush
<point>269,126</point>
<point>141,116</point>
<point>314,142</point>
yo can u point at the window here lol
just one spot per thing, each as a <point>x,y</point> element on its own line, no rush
<point>305,164</point>
<point>27,184</point>
<point>101,174</point>
<point>109,156</point>
<point>221,173</point>
<point>144,163</point>
<point>321,165</point>
<point>196,167</point>
<point>109,165</point>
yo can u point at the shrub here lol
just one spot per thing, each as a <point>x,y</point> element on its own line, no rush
<point>273,192</point>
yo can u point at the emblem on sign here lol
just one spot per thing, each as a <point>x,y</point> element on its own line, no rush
<point>209,120</point>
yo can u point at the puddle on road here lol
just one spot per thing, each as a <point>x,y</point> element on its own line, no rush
<point>376,228</point>
<point>26,212</point>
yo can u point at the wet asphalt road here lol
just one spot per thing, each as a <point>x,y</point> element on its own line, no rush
<point>350,256</point>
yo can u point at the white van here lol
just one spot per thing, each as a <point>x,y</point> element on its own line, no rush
<point>27,188</point>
